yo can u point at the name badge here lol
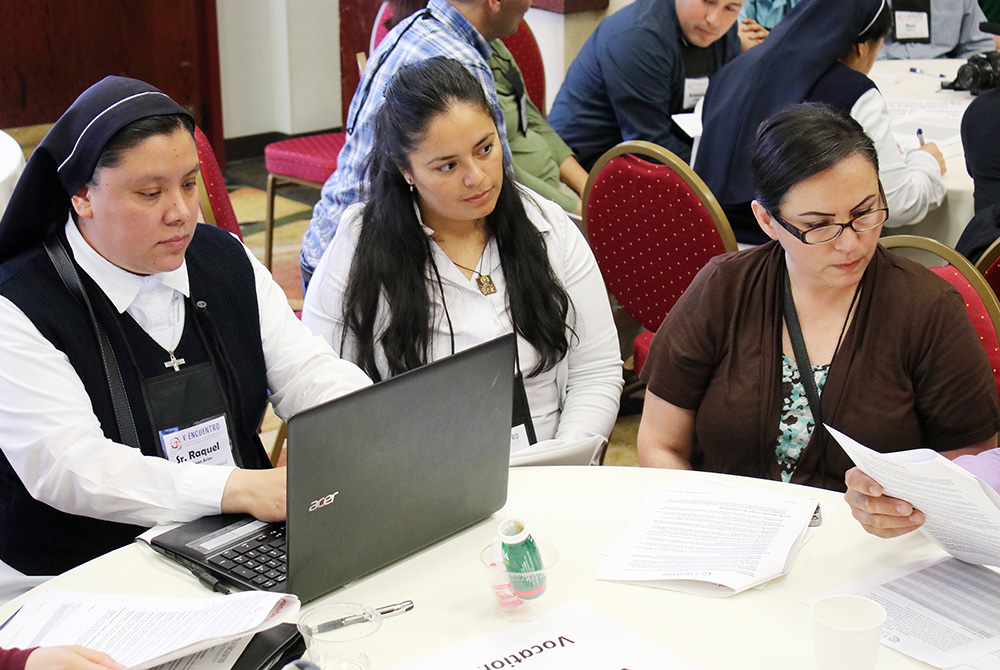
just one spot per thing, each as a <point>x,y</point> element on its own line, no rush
<point>206,442</point>
<point>694,90</point>
<point>518,438</point>
<point>912,26</point>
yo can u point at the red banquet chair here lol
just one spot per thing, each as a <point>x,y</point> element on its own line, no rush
<point>213,197</point>
<point>307,161</point>
<point>652,227</point>
<point>989,266</point>
<point>980,301</point>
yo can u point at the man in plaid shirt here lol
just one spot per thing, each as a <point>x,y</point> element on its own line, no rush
<point>458,29</point>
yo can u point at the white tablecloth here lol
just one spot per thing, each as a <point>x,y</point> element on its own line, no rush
<point>897,83</point>
<point>579,510</point>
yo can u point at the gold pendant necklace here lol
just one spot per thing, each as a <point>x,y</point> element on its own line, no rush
<point>485,282</point>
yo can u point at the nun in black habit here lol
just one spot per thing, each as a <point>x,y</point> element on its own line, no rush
<point>821,51</point>
<point>138,348</point>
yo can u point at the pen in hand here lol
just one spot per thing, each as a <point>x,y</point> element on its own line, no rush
<point>920,136</point>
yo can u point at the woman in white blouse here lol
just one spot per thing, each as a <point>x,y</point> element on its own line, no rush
<point>448,252</point>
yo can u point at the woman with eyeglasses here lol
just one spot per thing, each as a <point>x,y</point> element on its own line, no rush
<point>888,352</point>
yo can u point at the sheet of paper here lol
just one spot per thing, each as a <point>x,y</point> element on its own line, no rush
<point>942,611</point>
<point>942,109</point>
<point>576,635</point>
<point>221,657</point>
<point>709,540</point>
<point>961,512</point>
<point>690,123</point>
<point>142,632</point>
<point>580,452</point>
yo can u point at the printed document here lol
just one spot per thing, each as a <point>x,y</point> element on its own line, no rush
<point>576,635</point>
<point>941,610</point>
<point>142,632</point>
<point>707,539</point>
<point>961,512</point>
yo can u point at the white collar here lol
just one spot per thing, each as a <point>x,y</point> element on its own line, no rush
<point>121,286</point>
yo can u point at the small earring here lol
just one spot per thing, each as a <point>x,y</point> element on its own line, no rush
<point>412,187</point>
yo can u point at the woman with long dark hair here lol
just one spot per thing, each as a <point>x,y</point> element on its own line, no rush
<point>447,252</point>
<point>821,325</point>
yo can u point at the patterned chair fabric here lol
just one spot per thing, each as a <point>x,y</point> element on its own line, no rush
<point>311,158</point>
<point>981,302</point>
<point>652,226</point>
<point>975,305</point>
<point>308,160</point>
<point>528,56</point>
<point>989,265</point>
<point>216,207</point>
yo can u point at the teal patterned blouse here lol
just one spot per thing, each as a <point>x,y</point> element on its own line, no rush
<point>796,424</point>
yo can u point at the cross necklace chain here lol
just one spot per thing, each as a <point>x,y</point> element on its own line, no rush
<point>174,362</point>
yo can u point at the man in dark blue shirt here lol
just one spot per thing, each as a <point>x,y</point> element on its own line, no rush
<point>642,64</point>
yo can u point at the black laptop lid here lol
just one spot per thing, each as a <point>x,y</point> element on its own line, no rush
<point>387,470</point>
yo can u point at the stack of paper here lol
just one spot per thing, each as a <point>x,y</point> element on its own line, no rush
<point>961,512</point>
<point>142,631</point>
<point>941,611</point>
<point>710,539</point>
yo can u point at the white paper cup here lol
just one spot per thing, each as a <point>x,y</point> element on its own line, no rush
<point>848,632</point>
<point>344,644</point>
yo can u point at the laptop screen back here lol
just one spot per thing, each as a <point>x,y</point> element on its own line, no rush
<point>385,471</point>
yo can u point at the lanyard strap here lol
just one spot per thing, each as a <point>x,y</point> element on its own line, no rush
<point>801,355</point>
<point>799,346</point>
<point>119,398</point>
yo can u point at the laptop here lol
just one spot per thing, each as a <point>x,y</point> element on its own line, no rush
<point>373,476</point>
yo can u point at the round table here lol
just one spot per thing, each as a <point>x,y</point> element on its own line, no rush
<point>896,82</point>
<point>579,510</point>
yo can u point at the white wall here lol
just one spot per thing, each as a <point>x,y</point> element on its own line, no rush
<point>280,65</point>
<point>280,61</point>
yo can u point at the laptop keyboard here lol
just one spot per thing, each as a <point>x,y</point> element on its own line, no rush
<point>262,560</point>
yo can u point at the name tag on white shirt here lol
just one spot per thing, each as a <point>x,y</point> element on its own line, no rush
<point>694,90</point>
<point>912,26</point>
<point>518,438</point>
<point>206,442</point>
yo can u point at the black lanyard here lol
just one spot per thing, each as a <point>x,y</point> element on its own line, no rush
<point>521,413</point>
<point>799,347</point>
<point>119,398</point>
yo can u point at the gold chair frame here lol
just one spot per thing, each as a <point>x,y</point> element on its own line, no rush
<point>958,261</point>
<point>684,171</point>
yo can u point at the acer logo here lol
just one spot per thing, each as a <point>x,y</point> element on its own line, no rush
<point>323,502</point>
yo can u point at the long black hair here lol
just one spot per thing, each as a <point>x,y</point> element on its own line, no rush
<point>801,141</point>
<point>393,261</point>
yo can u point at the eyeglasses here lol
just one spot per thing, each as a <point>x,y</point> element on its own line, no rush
<point>828,232</point>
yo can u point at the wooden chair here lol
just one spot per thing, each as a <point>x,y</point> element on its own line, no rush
<point>653,224</point>
<point>216,207</point>
<point>980,301</point>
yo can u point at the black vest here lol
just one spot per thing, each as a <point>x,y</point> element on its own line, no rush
<point>840,86</point>
<point>38,539</point>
